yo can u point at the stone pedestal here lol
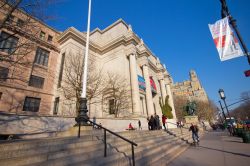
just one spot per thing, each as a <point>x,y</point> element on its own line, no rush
<point>191,119</point>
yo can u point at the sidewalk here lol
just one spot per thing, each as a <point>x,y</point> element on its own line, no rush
<point>216,149</point>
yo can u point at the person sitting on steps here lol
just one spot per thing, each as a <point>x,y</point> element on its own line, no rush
<point>130,127</point>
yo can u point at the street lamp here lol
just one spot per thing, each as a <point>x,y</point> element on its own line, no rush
<point>82,117</point>
<point>223,97</point>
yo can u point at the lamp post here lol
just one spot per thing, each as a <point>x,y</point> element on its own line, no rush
<point>82,117</point>
<point>223,97</point>
<point>222,110</point>
<point>224,13</point>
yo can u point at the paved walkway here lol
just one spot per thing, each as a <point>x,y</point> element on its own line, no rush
<point>216,149</point>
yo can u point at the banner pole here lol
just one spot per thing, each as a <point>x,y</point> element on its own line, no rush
<point>224,13</point>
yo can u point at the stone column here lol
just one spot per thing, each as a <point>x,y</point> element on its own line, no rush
<point>163,90</point>
<point>149,99</point>
<point>170,100</point>
<point>134,84</point>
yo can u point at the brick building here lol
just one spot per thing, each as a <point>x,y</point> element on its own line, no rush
<point>29,53</point>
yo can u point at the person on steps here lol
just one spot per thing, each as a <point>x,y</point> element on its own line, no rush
<point>195,130</point>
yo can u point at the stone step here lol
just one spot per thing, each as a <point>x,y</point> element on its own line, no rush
<point>47,149</point>
<point>34,143</point>
<point>117,159</point>
<point>80,158</point>
<point>156,143</point>
<point>89,149</point>
<point>145,154</point>
<point>157,155</point>
<point>128,134</point>
<point>125,145</point>
<point>170,155</point>
<point>137,139</point>
<point>58,153</point>
<point>38,146</point>
<point>140,149</point>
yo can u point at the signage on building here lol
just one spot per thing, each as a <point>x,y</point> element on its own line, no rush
<point>247,73</point>
<point>225,40</point>
<point>141,82</point>
<point>153,85</point>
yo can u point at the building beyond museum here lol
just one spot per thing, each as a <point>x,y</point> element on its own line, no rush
<point>191,89</point>
<point>44,86</point>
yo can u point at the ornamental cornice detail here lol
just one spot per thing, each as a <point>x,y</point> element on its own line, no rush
<point>81,38</point>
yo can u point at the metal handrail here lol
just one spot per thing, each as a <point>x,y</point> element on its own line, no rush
<point>105,137</point>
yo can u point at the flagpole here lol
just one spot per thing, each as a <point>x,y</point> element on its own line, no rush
<point>82,117</point>
<point>85,70</point>
<point>224,13</point>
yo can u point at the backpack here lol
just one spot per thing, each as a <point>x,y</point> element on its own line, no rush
<point>196,129</point>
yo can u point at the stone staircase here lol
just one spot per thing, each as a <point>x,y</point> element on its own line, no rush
<point>154,148</point>
<point>184,134</point>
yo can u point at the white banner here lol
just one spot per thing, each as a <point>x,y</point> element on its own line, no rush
<point>225,40</point>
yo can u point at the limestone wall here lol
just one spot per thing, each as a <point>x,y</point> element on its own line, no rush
<point>30,126</point>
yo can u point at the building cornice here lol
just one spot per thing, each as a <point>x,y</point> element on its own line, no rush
<point>81,38</point>
<point>109,27</point>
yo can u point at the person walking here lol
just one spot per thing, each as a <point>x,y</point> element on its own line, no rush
<point>149,123</point>
<point>94,120</point>
<point>195,130</point>
<point>157,122</point>
<point>139,124</point>
<point>152,122</point>
<point>163,119</point>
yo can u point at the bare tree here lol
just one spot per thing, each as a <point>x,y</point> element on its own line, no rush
<point>20,30</point>
<point>180,102</point>
<point>204,110</point>
<point>243,110</point>
<point>72,80</point>
<point>117,94</point>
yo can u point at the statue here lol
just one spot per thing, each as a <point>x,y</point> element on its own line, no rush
<point>191,108</point>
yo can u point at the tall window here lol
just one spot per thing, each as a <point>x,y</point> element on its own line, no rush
<point>50,38</point>
<point>8,43</point>
<point>42,35</point>
<point>61,71</point>
<point>42,57</point>
<point>20,23</point>
<point>112,106</point>
<point>36,81</point>
<point>31,104</point>
<point>4,72</point>
<point>56,105</point>
<point>10,19</point>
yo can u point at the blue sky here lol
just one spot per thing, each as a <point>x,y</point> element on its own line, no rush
<point>176,31</point>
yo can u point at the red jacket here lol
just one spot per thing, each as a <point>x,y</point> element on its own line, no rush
<point>163,118</point>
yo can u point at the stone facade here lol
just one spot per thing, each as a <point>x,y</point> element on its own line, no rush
<point>116,49</point>
<point>191,89</point>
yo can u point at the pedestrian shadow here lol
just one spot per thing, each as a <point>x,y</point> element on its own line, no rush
<point>234,153</point>
<point>234,141</point>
